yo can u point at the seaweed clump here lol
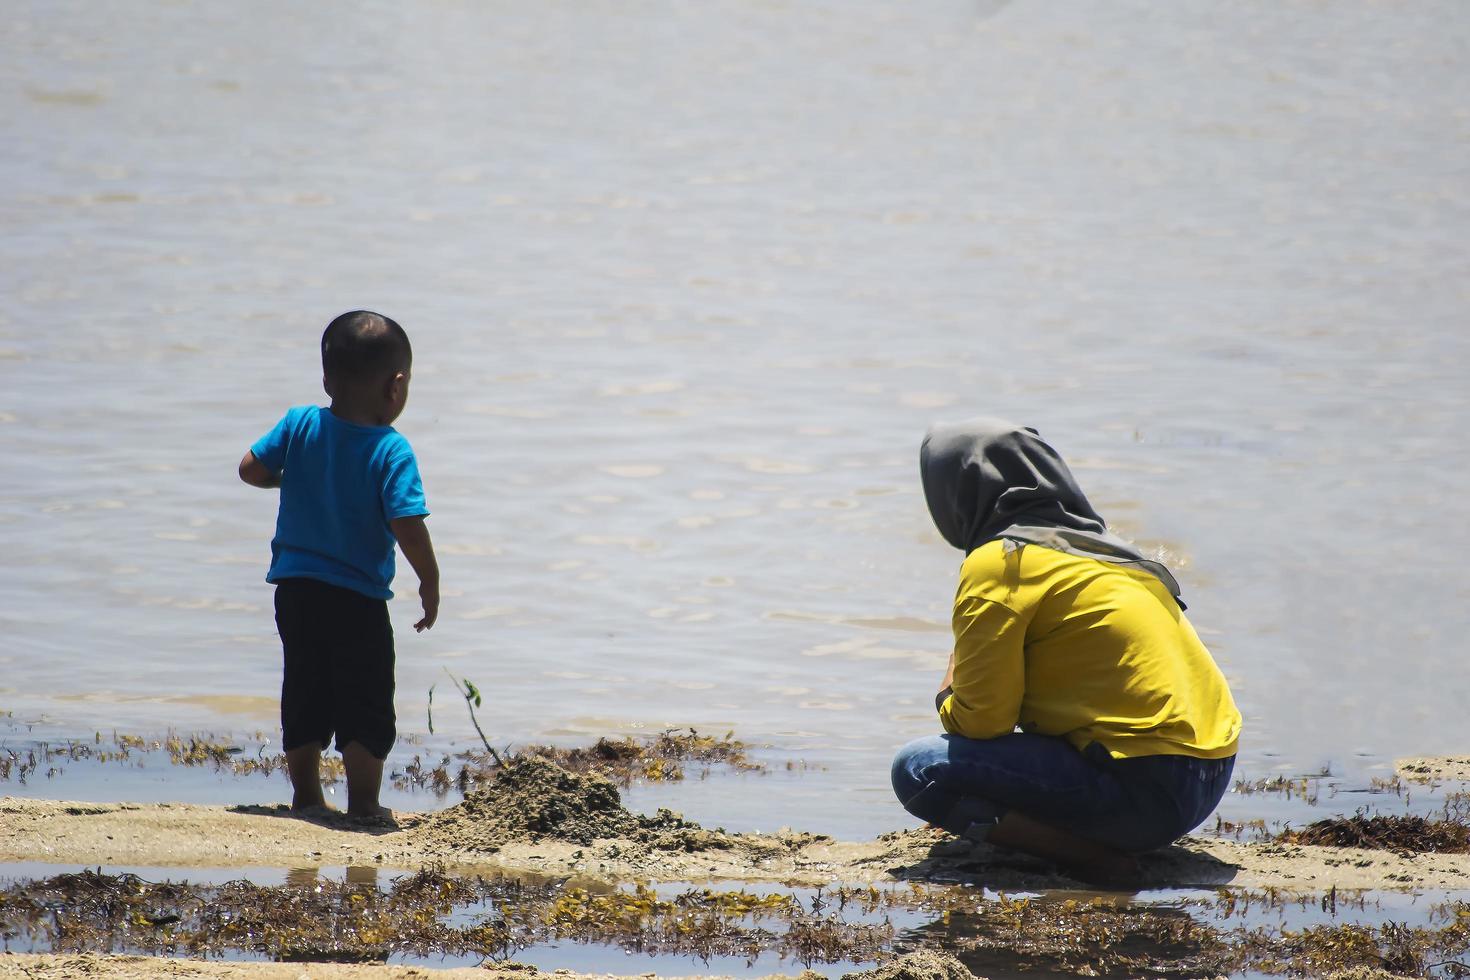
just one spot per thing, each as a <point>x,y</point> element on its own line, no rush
<point>1351,950</point>
<point>660,759</point>
<point>535,799</point>
<point>1449,833</point>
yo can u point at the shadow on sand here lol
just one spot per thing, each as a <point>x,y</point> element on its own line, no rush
<point>323,817</point>
<point>957,861</point>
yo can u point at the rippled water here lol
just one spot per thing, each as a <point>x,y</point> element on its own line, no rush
<point>686,283</point>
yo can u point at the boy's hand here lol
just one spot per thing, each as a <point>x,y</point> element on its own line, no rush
<point>413,538</point>
<point>429,596</point>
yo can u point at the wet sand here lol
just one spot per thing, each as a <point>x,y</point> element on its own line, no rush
<point>181,835</point>
<point>23,966</point>
<point>63,967</point>
<point>1429,769</point>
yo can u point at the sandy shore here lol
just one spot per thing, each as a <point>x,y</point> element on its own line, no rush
<point>1435,769</point>
<point>917,966</point>
<point>183,836</point>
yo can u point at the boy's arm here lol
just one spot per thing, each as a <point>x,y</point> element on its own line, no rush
<point>256,473</point>
<point>413,537</point>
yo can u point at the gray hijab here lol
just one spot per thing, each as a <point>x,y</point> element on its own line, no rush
<point>986,479</point>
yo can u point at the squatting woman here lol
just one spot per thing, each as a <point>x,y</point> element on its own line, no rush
<point>1084,720</point>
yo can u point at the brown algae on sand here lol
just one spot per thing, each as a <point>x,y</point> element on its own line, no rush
<point>426,913</point>
<point>1445,833</point>
<point>659,759</point>
<point>431,913</point>
<point>1426,769</point>
<point>332,922</point>
<point>706,921</point>
<point>664,757</point>
<point>208,751</point>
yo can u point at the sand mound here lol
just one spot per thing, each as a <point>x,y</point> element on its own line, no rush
<point>532,799</point>
<point>536,799</point>
<point>922,965</point>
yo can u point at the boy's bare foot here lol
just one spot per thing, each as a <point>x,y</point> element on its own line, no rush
<point>364,773</point>
<point>304,765</point>
<point>315,811</point>
<point>378,816</point>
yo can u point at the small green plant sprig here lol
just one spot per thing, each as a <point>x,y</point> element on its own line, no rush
<point>472,700</point>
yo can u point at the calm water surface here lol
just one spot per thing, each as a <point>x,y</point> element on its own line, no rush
<point>686,283</point>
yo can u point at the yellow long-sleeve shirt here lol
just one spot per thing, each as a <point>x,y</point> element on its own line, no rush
<point>1094,652</point>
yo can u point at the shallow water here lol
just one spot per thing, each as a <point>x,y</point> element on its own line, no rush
<point>686,283</point>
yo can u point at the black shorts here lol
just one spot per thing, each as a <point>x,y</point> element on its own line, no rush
<point>338,647</point>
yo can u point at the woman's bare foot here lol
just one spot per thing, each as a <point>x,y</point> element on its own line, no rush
<point>1088,860</point>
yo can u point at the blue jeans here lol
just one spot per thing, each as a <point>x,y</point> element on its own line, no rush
<point>965,785</point>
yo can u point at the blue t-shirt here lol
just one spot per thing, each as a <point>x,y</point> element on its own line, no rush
<point>341,484</point>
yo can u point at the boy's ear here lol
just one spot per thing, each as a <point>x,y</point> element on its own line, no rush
<point>394,387</point>
<point>327,386</point>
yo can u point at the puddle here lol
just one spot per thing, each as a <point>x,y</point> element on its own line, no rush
<point>355,913</point>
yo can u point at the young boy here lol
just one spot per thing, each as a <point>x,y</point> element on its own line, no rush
<point>349,488</point>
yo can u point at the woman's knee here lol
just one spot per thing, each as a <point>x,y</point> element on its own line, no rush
<point>913,766</point>
<point>923,782</point>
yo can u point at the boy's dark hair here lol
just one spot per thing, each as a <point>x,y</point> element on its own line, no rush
<point>364,346</point>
